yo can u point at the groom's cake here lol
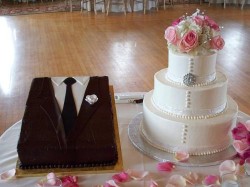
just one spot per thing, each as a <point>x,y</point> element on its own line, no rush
<point>91,142</point>
<point>189,109</point>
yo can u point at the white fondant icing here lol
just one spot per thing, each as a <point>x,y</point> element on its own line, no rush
<point>203,67</point>
<point>203,136</point>
<point>204,101</point>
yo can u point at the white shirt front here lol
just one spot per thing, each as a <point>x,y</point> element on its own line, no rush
<point>78,90</point>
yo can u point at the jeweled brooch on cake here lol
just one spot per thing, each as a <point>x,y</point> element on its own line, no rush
<point>91,99</point>
<point>189,79</point>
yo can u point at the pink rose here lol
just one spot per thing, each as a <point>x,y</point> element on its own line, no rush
<point>211,23</point>
<point>188,42</point>
<point>171,35</point>
<point>217,43</point>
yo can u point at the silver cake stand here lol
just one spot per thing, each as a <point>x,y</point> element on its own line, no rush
<point>143,146</point>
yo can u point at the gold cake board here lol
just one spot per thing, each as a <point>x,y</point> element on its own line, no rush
<point>78,171</point>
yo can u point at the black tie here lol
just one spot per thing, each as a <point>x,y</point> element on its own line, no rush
<point>69,113</point>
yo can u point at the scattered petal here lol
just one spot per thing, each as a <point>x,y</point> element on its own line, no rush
<point>192,178</point>
<point>229,177</point>
<point>210,180</point>
<point>51,178</point>
<point>245,154</point>
<point>247,125</point>
<point>165,166</point>
<point>153,184</point>
<point>72,178</point>
<point>181,156</point>
<point>240,145</point>
<point>137,175</point>
<point>110,183</point>
<point>70,181</point>
<point>239,169</point>
<point>8,174</point>
<point>228,166</point>
<point>39,184</point>
<point>240,131</point>
<point>177,180</point>
<point>121,177</point>
<point>170,185</point>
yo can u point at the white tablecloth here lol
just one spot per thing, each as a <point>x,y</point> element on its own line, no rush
<point>132,158</point>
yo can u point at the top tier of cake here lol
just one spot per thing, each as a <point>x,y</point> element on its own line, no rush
<point>184,69</point>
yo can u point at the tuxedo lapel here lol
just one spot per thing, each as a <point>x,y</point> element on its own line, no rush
<point>51,109</point>
<point>86,110</point>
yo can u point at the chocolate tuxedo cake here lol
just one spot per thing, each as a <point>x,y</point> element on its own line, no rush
<point>90,141</point>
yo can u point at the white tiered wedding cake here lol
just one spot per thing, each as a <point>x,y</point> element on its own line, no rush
<point>189,109</point>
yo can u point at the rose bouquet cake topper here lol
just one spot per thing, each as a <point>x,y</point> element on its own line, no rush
<point>197,34</point>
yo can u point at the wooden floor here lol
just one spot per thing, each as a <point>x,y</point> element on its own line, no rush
<point>129,49</point>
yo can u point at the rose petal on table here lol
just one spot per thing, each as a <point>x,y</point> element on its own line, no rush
<point>69,178</point>
<point>137,175</point>
<point>69,184</point>
<point>230,176</point>
<point>52,177</point>
<point>153,184</point>
<point>240,170</point>
<point>177,180</point>
<point>210,180</point>
<point>171,185</point>
<point>228,166</point>
<point>240,131</point>
<point>69,181</point>
<point>192,177</point>
<point>165,166</point>
<point>215,185</point>
<point>181,156</point>
<point>247,125</point>
<point>7,174</point>
<point>39,184</point>
<point>121,177</point>
<point>240,145</point>
<point>110,183</point>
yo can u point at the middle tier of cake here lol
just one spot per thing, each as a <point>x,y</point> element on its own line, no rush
<point>195,102</point>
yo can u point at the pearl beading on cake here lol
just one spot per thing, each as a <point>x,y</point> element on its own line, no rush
<point>190,79</point>
<point>184,133</point>
<point>191,65</point>
<point>171,149</point>
<point>188,99</point>
<point>179,113</point>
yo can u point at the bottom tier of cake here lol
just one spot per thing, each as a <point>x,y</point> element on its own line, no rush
<point>195,136</point>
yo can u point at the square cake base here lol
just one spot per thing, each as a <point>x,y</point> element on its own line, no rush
<point>78,171</point>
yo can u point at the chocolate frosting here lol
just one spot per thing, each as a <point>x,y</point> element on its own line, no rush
<point>90,142</point>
